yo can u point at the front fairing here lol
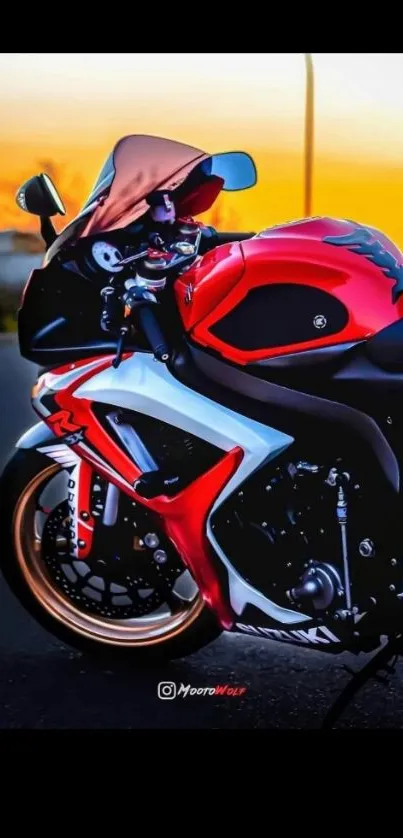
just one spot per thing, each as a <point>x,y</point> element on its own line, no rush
<point>139,165</point>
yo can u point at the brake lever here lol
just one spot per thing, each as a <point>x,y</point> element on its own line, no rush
<point>120,347</point>
<point>129,301</point>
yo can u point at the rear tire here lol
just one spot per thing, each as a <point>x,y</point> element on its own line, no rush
<point>25,469</point>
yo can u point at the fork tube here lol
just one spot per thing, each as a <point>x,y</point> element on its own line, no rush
<point>110,515</point>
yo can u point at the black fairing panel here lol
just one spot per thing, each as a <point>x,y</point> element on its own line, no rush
<point>59,318</point>
<point>385,349</point>
<point>322,421</point>
<point>59,312</point>
<point>375,390</point>
<point>281,314</point>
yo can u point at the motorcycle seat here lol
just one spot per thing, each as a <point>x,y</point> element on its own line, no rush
<point>385,349</point>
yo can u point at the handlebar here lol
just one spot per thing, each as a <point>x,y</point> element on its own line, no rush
<point>150,327</point>
<point>120,347</point>
<point>139,300</point>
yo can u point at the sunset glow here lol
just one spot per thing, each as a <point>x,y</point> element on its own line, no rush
<point>62,113</point>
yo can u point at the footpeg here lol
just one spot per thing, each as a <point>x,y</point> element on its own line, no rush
<point>151,484</point>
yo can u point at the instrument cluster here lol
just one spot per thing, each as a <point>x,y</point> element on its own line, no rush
<point>107,257</point>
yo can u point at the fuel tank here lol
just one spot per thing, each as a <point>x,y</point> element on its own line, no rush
<point>305,285</point>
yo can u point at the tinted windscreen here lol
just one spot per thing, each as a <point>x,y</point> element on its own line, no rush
<point>103,181</point>
<point>139,165</point>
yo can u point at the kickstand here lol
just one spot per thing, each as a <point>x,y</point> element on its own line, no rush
<point>384,660</point>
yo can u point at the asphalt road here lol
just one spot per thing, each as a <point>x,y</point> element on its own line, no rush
<point>45,685</point>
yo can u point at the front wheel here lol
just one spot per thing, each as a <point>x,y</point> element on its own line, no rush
<point>119,601</point>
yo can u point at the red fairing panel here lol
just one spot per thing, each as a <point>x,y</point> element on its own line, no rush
<point>184,520</point>
<point>211,280</point>
<point>183,517</point>
<point>297,254</point>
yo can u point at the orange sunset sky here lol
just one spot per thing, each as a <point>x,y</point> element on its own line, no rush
<point>62,113</point>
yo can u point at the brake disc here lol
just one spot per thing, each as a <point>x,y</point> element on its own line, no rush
<point>123,577</point>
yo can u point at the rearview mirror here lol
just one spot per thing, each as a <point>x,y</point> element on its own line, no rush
<point>236,168</point>
<point>39,196</point>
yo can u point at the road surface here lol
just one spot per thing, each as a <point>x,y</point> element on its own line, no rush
<point>44,684</point>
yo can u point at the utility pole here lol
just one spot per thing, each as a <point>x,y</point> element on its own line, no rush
<point>309,133</point>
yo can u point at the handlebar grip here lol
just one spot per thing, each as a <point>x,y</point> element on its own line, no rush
<point>152,331</point>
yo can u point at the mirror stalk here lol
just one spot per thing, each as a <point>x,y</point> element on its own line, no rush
<point>48,231</point>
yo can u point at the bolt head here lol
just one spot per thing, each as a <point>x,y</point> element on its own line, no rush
<point>366,548</point>
<point>392,587</point>
<point>84,515</point>
<point>160,556</point>
<point>393,562</point>
<point>81,543</point>
<point>151,540</point>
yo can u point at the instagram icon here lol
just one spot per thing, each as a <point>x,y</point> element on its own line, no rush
<point>166,690</point>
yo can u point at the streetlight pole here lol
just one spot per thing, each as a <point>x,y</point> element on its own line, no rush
<point>309,133</point>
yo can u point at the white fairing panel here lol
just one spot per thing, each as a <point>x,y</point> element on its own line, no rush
<point>144,385</point>
<point>67,458</point>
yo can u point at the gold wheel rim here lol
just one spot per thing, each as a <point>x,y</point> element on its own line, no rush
<point>144,631</point>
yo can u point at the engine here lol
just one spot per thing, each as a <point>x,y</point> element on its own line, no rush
<point>305,535</point>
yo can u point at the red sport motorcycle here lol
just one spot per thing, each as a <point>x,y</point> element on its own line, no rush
<point>230,458</point>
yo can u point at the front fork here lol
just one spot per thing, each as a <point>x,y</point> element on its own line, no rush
<point>80,489</point>
<point>79,498</point>
<point>80,501</point>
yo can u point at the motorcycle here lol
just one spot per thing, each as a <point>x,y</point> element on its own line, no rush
<point>230,460</point>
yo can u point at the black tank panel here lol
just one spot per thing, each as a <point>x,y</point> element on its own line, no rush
<point>280,315</point>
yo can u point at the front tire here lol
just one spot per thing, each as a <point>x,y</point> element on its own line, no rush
<point>21,562</point>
